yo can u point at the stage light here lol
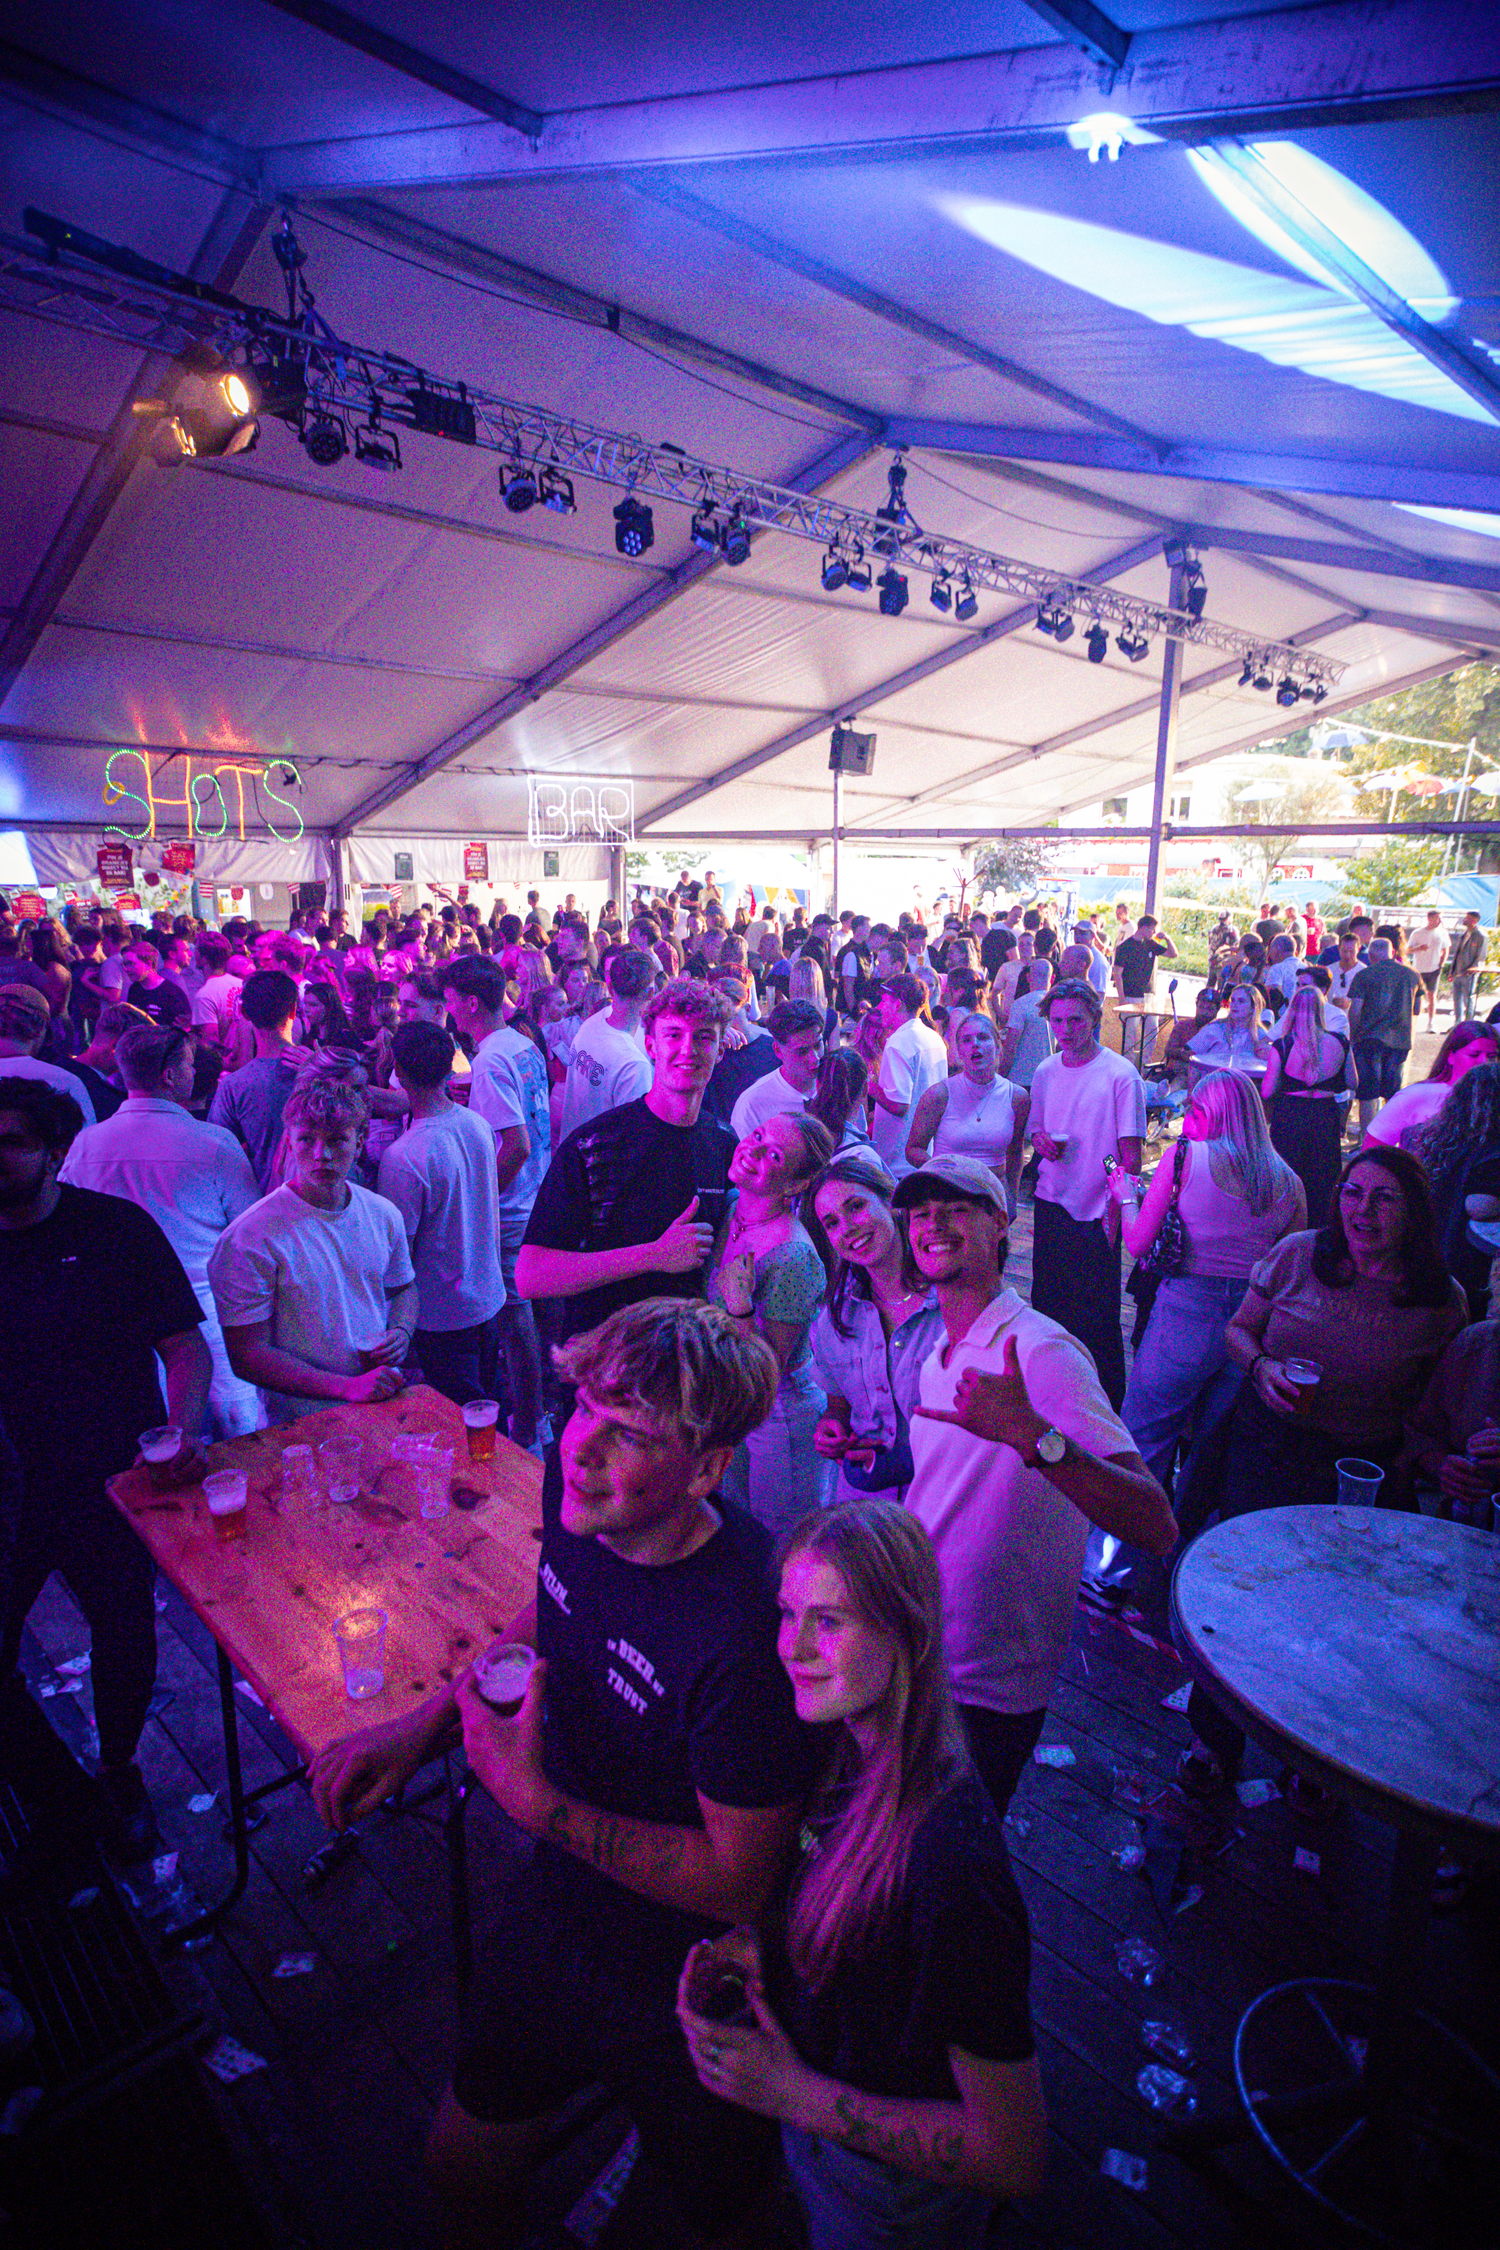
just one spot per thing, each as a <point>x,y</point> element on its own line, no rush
<point>518,487</point>
<point>1248,674</point>
<point>1098,643</point>
<point>736,540</point>
<point>212,410</point>
<point>1286,694</point>
<point>835,571</point>
<point>1063,627</point>
<point>1045,620</point>
<point>705,530</point>
<point>967,603</point>
<point>894,593</point>
<point>857,572</point>
<point>1195,593</point>
<point>556,493</point>
<point>377,448</point>
<point>1135,646</point>
<point>635,527</point>
<point>941,596</point>
<point>325,440</point>
<point>1320,690</point>
<point>1262,680</point>
<point>894,515</point>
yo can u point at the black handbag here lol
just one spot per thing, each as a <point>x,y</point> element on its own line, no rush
<point>1167,1252</point>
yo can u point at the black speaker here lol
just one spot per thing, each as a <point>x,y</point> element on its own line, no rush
<point>849,752</point>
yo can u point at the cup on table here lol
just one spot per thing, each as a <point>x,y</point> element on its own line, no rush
<point>299,1473</point>
<point>502,1674</point>
<point>1307,1374</point>
<point>225,1493</point>
<point>1358,1503</point>
<point>360,1640</point>
<point>481,1417</point>
<point>434,1481</point>
<point>340,1458</point>
<point>159,1449</point>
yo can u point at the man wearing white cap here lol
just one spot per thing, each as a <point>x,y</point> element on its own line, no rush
<point>1015,1451</point>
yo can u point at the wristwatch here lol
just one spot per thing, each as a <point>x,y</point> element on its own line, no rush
<point>1051,1447</point>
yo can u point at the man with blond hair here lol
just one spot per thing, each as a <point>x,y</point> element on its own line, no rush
<point>656,1759</point>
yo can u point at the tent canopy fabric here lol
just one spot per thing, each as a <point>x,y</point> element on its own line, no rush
<point>790,243</point>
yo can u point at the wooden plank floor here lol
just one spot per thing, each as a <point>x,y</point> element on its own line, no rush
<point>356,2053</point>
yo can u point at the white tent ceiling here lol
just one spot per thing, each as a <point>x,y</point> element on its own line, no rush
<point>785,240</point>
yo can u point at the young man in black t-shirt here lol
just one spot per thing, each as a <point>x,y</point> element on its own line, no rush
<point>75,1263</point>
<point>656,1759</point>
<point>632,1200</point>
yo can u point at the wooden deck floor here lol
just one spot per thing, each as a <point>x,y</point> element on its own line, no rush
<point>357,2051</point>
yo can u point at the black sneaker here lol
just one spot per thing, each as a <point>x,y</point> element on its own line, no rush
<point>127,1818</point>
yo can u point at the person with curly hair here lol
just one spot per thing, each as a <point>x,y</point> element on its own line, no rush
<point>1461,1150</point>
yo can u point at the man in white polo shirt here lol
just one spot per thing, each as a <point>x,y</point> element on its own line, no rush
<point>1426,953</point>
<point>1088,1112</point>
<point>796,1028</point>
<point>1015,1452</point>
<point>913,1058</point>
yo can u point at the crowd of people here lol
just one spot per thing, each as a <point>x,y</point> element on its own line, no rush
<point>718,1208</point>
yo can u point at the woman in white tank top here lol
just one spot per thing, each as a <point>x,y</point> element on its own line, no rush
<point>975,1113</point>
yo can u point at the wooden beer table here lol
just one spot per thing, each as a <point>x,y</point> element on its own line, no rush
<point>271,1599</point>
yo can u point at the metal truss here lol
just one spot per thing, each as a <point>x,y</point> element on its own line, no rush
<point>306,374</point>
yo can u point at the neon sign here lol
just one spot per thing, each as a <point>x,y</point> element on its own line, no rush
<point>204,791</point>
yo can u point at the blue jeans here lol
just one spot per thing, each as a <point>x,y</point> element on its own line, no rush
<point>1463,998</point>
<point>775,1472</point>
<point>852,2202</point>
<point>1183,1382</point>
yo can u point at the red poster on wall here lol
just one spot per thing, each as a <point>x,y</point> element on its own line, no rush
<point>114,864</point>
<point>179,859</point>
<point>476,863</point>
<point>29,905</point>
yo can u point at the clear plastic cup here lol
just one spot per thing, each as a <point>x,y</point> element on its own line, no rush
<point>481,1417</point>
<point>1307,1374</point>
<point>299,1473</point>
<point>1359,1483</point>
<point>159,1449</point>
<point>340,1458</point>
<point>434,1481</point>
<point>502,1675</point>
<point>360,1640</point>
<point>225,1493</point>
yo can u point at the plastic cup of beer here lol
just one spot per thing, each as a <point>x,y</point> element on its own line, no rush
<point>501,1676</point>
<point>434,1481</point>
<point>1307,1374</point>
<point>299,1473</point>
<point>340,1458</point>
<point>481,1417</point>
<point>1060,1143</point>
<point>360,1640</point>
<point>159,1449</point>
<point>225,1493</point>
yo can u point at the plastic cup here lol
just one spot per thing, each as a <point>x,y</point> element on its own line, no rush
<point>1060,1143</point>
<point>502,1676</point>
<point>299,1473</point>
<point>1307,1374</point>
<point>434,1480</point>
<point>159,1449</point>
<point>340,1459</point>
<point>1359,1483</point>
<point>225,1493</point>
<point>481,1416</point>
<point>360,1640</point>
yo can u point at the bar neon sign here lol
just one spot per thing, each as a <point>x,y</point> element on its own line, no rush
<point>206,790</point>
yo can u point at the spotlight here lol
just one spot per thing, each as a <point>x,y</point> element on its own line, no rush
<point>212,412</point>
<point>1320,690</point>
<point>1308,692</point>
<point>377,448</point>
<point>1248,674</point>
<point>635,528</point>
<point>894,515</point>
<point>941,596</point>
<point>1135,646</point>
<point>1098,643</point>
<point>1063,627</point>
<point>556,493</point>
<point>518,487</point>
<point>1262,680</point>
<point>967,604</point>
<point>1046,621</point>
<point>736,539</point>
<point>325,440</point>
<point>835,571</point>
<point>705,531</point>
<point>893,593</point>
<point>857,572</point>
<point>1286,693</point>
<point>1195,593</point>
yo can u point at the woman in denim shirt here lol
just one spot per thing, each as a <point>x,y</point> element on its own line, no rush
<point>870,1339</point>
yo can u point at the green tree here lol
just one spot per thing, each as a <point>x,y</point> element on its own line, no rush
<point>1278,821</point>
<point>1018,863</point>
<point>1461,707</point>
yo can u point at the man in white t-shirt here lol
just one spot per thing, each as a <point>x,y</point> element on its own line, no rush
<point>608,1065</point>
<point>914,1058</point>
<point>1015,1452</point>
<point>1281,975</point>
<point>1426,953</point>
<point>796,1028</point>
<point>440,1175</point>
<point>1088,1110</point>
<point>216,1004</point>
<point>316,1278</point>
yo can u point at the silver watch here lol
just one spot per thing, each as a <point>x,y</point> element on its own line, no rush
<point>1050,1448</point>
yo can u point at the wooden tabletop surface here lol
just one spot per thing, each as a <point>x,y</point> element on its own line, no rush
<point>271,1599</point>
<point>1365,1639</point>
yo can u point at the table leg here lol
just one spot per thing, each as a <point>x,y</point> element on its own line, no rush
<point>458,1875</point>
<point>203,1924</point>
<point>1396,1994</point>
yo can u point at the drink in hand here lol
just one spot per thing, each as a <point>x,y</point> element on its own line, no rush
<point>159,1449</point>
<point>1307,1375</point>
<point>502,1674</point>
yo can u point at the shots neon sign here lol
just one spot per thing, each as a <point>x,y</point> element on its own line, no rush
<point>209,793</point>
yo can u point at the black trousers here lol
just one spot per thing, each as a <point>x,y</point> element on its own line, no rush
<point>110,1576</point>
<point>1075,1280</point>
<point>459,1362</point>
<point>1000,1744</point>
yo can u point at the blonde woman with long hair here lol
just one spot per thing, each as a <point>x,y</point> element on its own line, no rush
<point>885,2019</point>
<point>1308,1077</point>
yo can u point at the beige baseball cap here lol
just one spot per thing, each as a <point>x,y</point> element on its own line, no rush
<point>965,1175</point>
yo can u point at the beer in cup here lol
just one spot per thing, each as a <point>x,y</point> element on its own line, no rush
<point>481,1416</point>
<point>225,1493</point>
<point>159,1449</point>
<point>501,1676</point>
<point>1307,1375</point>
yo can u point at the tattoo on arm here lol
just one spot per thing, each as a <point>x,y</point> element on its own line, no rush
<point>629,1851</point>
<point>938,2154</point>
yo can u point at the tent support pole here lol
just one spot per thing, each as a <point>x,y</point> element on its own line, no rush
<point>617,879</point>
<point>838,834</point>
<point>1166,742</point>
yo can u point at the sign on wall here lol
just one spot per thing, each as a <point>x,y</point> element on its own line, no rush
<point>580,812</point>
<point>476,863</point>
<point>179,859</point>
<point>115,866</point>
<point>211,796</point>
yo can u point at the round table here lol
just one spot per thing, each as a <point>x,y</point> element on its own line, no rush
<point>1361,1646</point>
